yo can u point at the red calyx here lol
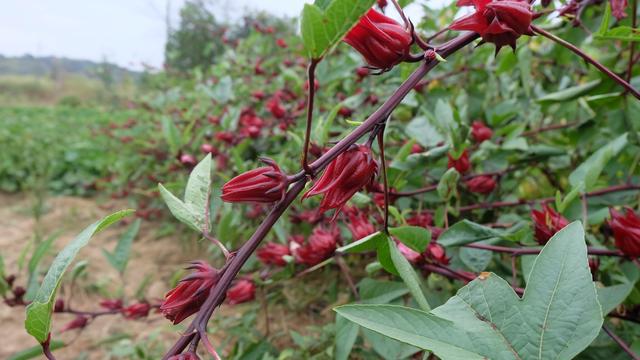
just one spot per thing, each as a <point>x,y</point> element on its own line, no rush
<point>546,223</point>
<point>346,175</point>
<point>266,184</point>
<point>244,290</point>
<point>272,254</point>
<point>381,40</point>
<point>319,247</point>
<point>500,22</point>
<point>462,163</point>
<point>626,231</point>
<point>481,184</point>
<point>480,131</point>
<point>190,293</point>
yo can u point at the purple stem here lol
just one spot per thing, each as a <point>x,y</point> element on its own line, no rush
<point>217,294</point>
<point>620,343</point>
<point>534,251</point>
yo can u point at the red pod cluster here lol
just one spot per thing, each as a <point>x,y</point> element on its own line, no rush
<point>382,41</point>
<point>481,184</point>
<point>626,231</point>
<point>500,22</point>
<point>546,223</point>
<point>346,175</point>
<point>265,184</point>
<point>273,254</point>
<point>244,290</point>
<point>190,293</point>
<point>320,246</point>
<point>480,131</point>
<point>462,164</point>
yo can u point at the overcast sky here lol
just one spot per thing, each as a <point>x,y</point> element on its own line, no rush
<point>127,32</point>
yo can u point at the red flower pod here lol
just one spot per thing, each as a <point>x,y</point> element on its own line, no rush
<point>436,253</point>
<point>319,247</point>
<point>186,356</point>
<point>272,254</point>
<point>136,311</point>
<point>462,164</point>
<point>381,40</point>
<point>80,322</point>
<point>500,22</point>
<point>265,184</point>
<point>546,223</point>
<point>208,149</point>
<point>359,224</point>
<point>275,107</point>
<point>59,306</point>
<point>618,8</point>
<point>411,255</point>
<point>480,131</point>
<point>111,304</point>
<point>346,175</point>
<point>382,4</point>
<point>626,231</point>
<point>188,160</point>
<point>258,95</point>
<point>225,136</point>
<point>362,72</point>
<point>244,290</point>
<point>481,184</point>
<point>190,293</point>
<point>282,43</point>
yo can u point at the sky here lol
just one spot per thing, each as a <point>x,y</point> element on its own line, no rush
<point>126,32</point>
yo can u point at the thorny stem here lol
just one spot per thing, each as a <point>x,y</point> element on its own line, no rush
<point>385,181</point>
<point>589,59</point>
<point>533,251</point>
<point>620,343</point>
<point>217,294</point>
<point>311,75</point>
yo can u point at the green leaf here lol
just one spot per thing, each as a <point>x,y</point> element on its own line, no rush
<point>466,232</point>
<point>408,275</point>
<point>36,351</point>
<point>41,250</point>
<point>192,211</point>
<point>569,93</point>
<point>447,184</point>
<point>171,134</point>
<point>367,243</point>
<point>415,237</point>
<point>38,321</point>
<point>624,33</point>
<point>612,296</point>
<point>557,318</point>
<point>476,260</point>
<point>384,257</point>
<point>120,256</point>
<point>346,335</point>
<point>374,291</point>
<point>324,23</point>
<point>589,171</point>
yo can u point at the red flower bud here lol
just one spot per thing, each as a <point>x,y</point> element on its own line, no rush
<point>423,219</point>
<point>359,224</point>
<point>281,43</point>
<point>320,246</point>
<point>481,184</point>
<point>188,160</point>
<point>436,253</point>
<point>382,4</point>
<point>499,22</point>
<point>266,184</point>
<point>190,293</point>
<point>275,107</point>
<point>626,231</point>
<point>244,290</point>
<point>208,149</point>
<point>480,131</point>
<point>411,255</point>
<point>462,164</point>
<point>136,311</point>
<point>80,322</point>
<point>380,39</point>
<point>111,304</point>
<point>546,223</point>
<point>258,94</point>
<point>362,72</point>
<point>618,8</point>
<point>186,356</point>
<point>272,254</point>
<point>59,306</point>
<point>346,175</point>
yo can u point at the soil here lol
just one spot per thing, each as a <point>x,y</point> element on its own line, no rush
<point>151,254</point>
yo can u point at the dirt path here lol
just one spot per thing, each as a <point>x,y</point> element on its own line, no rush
<point>150,255</point>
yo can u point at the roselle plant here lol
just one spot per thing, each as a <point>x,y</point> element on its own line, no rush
<point>546,307</point>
